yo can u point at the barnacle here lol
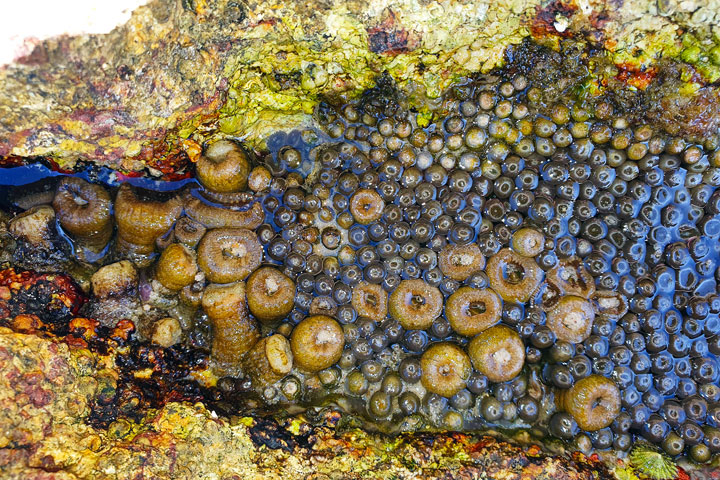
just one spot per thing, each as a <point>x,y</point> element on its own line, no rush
<point>115,280</point>
<point>611,305</point>
<point>167,332</point>
<point>35,227</point>
<point>650,461</point>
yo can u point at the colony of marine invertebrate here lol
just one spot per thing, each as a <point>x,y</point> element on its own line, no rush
<point>522,257</point>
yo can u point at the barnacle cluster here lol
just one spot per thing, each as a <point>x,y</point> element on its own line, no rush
<point>513,256</point>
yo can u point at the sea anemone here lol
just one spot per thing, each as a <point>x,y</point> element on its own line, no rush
<point>229,254</point>
<point>84,211</point>
<point>317,343</point>
<point>234,331</point>
<point>223,167</point>
<point>141,219</point>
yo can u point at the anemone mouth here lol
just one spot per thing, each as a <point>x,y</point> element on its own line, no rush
<point>76,194</point>
<point>234,251</point>
<point>501,357</point>
<point>533,243</point>
<point>325,337</point>
<point>416,301</point>
<point>513,273</point>
<point>189,228</point>
<point>574,321</point>
<point>78,198</point>
<point>567,274</point>
<point>217,152</point>
<point>476,308</point>
<point>271,286</point>
<point>462,260</point>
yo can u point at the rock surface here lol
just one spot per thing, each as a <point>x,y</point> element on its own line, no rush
<point>147,95</point>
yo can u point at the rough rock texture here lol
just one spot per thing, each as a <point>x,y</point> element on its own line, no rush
<point>150,92</point>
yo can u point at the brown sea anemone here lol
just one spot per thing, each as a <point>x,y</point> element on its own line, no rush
<point>176,267</point>
<point>141,218</point>
<point>223,167</point>
<point>269,360</point>
<point>248,215</point>
<point>229,254</point>
<point>593,401</point>
<point>415,304</point>
<point>472,310</point>
<point>445,369</point>
<point>498,353</point>
<point>84,211</point>
<point>460,261</point>
<point>270,294</point>
<point>317,343</point>
<point>234,331</point>
<point>571,319</point>
<point>514,277</point>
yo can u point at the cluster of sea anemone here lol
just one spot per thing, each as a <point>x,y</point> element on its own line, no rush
<point>524,260</point>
